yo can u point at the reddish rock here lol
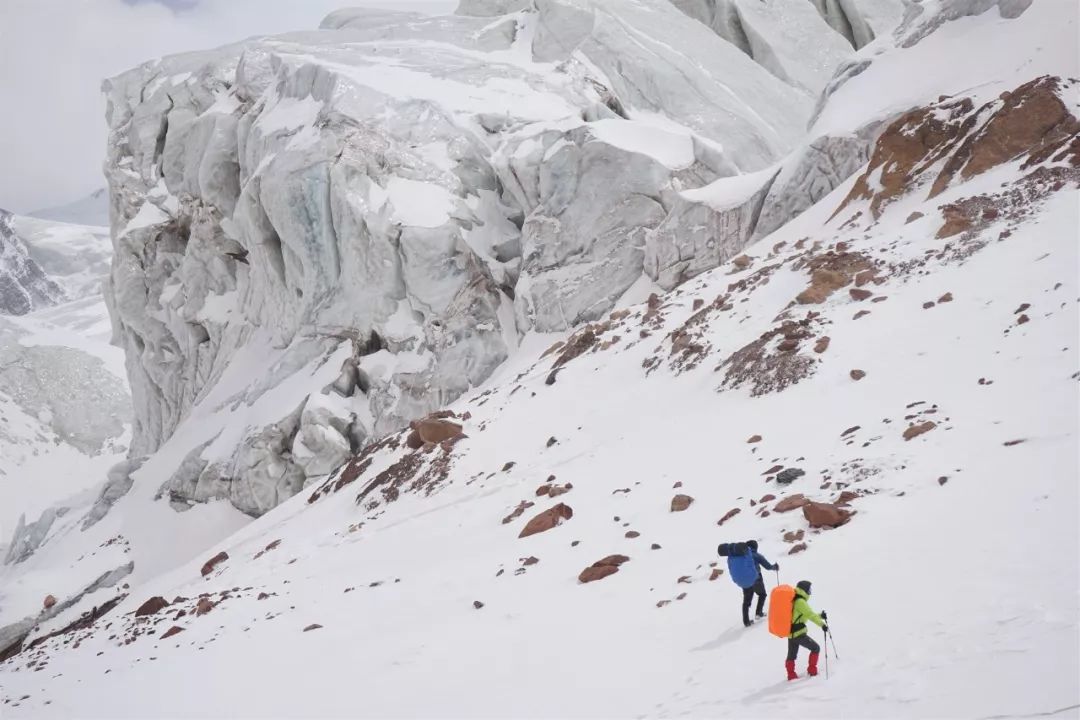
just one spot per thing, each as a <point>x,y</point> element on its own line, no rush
<point>742,262</point>
<point>152,606</point>
<point>788,345</point>
<point>793,536</point>
<point>213,562</point>
<point>203,606</point>
<point>822,344</point>
<point>859,294</point>
<point>791,502</point>
<point>531,560</point>
<point>767,498</point>
<point>916,430</point>
<point>684,579</point>
<point>50,601</point>
<point>773,470</point>
<point>797,549</point>
<point>508,466</point>
<point>716,572</point>
<point>602,568</point>
<point>728,515</point>
<point>680,596</point>
<point>1022,308</point>
<point>913,217</point>
<point>433,430</point>
<point>546,520</point>
<point>860,314</point>
<point>846,497</point>
<point>632,534</point>
<point>312,626</point>
<point>557,490</point>
<point>825,515</point>
<point>947,297</point>
<point>174,630</point>
<point>850,430</point>
<point>681,502</point>
<point>857,374</point>
<point>662,603</point>
<point>928,304</point>
<point>754,439</point>
<point>1022,319</point>
<point>543,490</point>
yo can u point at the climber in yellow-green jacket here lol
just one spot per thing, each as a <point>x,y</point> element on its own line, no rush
<point>801,612</point>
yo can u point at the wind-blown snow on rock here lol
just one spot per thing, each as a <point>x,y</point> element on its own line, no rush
<point>24,286</point>
<point>396,199</point>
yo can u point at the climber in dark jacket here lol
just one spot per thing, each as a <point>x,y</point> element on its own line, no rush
<point>758,587</point>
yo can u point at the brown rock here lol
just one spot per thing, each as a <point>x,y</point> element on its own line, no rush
<point>823,283</point>
<point>551,441</point>
<point>203,606</point>
<point>521,507</point>
<point>543,490</point>
<point>788,345</point>
<point>213,562</point>
<point>742,262</point>
<point>677,485</point>
<point>928,304</point>
<point>477,604</point>
<point>602,568</point>
<point>857,294</point>
<point>662,603</point>
<point>942,480</point>
<point>825,515</point>
<point>913,217</point>
<point>557,490</point>
<point>754,439</point>
<point>915,431</point>
<point>632,534</point>
<point>262,596</point>
<point>152,606</point>
<point>531,560</point>
<point>767,498</point>
<point>174,630</point>
<point>791,502</point>
<point>508,466</point>
<point>684,579</point>
<point>716,572</point>
<point>312,626</point>
<point>793,536</point>
<point>773,470</point>
<point>857,374</point>
<point>433,430</point>
<point>50,601</point>
<point>822,344</point>
<point>860,314</point>
<point>654,546</point>
<point>1022,319</point>
<point>797,549</point>
<point>1010,443</point>
<point>865,277</point>
<point>1022,308</point>
<point>947,297</point>
<point>546,520</point>
<point>681,502</point>
<point>728,515</point>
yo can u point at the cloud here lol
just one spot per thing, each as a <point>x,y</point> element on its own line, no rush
<point>55,53</point>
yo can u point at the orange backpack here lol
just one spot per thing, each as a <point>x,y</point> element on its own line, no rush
<point>781,609</point>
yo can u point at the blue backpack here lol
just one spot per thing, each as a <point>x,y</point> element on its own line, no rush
<point>741,564</point>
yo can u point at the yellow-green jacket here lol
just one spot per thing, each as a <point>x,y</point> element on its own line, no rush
<point>801,612</point>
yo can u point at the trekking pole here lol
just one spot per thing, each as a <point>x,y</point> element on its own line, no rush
<point>830,638</point>
<point>777,577</point>
<point>826,658</point>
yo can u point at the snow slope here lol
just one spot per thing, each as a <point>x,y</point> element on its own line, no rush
<point>909,342</point>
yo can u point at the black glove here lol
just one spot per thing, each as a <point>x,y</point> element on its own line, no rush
<point>825,629</point>
<point>776,566</point>
<point>824,615</point>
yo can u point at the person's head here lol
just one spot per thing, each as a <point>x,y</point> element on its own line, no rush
<point>804,585</point>
<point>752,544</point>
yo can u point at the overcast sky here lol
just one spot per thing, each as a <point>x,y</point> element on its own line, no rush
<point>55,53</point>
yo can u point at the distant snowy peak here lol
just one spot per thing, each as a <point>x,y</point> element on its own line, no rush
<point>90,210</point>
<point>75,256</point>
<point>24,286</point>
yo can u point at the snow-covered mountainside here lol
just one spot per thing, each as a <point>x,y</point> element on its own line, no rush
<point>632,310</point>
<point>64,405</point>
<point>91,210</point>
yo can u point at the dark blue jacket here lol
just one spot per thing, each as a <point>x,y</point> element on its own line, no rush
<point>762,562</point>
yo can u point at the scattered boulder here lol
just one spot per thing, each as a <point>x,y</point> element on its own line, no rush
<point>477,604</point>
<point>913,217</point>
<point>825,515</point>
<point>754,439</point>
<point>152,606</point>
<point>790,475</point>
<point>433,430</point>
<point>1010,443</point>
<point>857,374</point>
<point>50,601</point>
<point>822,344</point>
<point>728,515</point>
<point>204,606</point>
<point>213,562</point>
<point>846,497</point>
<point>681,502</point>
<point>531,560</point>
<point>602,568</point>
<point>942,480</point>
<point>632,534</point>
<point>797,549</point>
<point>521,507</point>
<point>915,431</point>
<point>928,304</point>
<point>791,502</point>
<point>947,297</point>
<point>793,536</point>
<point>1022,308</point>
<point>508,466</point>
<point>1022,319</point>
<point>742,262</point>
<point>262,596</point>
<point>312,626</point>
<point>773,470</point>
<point>174,630</point>
<point>551,441</point>
<point>546,520</point>
<point>654,546</point>
<point>767,498</point>
<point>859,294</point>
<point>716,572</point>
